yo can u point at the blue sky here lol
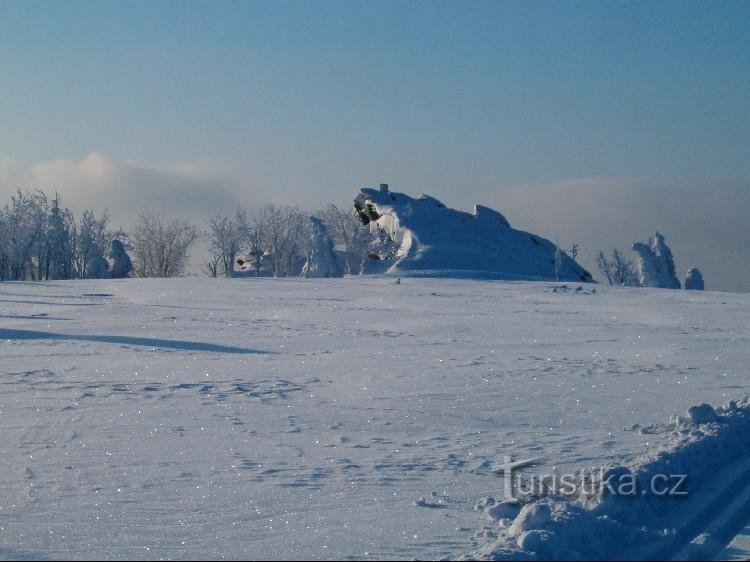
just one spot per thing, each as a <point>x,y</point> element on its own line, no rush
<point>299,101</point>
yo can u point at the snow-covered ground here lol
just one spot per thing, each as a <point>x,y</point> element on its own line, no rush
<point>354,418</point>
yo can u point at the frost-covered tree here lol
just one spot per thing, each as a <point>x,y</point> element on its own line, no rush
<point>226,240</point>
<point>212,266</point>
<point>161,245</point>
<point>320,254</point>
<point>251,232</point>
<point>281,229</point>
<point>694,280</point>
<point>56,258</point>
<point>617,269</point>
<point>90,235</point>
<point>40,239</point>
<point>558,259</point>
<point>348,231</point>
<point>97,267</point>
<point>121,263</point>
<point>22,226</point>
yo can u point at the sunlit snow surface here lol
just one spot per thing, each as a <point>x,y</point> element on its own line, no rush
<point>256,418</point>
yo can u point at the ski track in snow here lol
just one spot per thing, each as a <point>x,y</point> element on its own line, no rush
<point>345,418</point>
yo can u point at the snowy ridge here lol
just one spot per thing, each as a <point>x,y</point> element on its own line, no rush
<point>709,446</point>
<point>436,241</point>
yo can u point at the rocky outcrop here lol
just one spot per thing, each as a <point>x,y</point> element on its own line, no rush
<point>655,264</point>
<point>433,240</point>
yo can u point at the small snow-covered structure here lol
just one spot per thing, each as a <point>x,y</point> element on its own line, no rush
<point>655,264</point>
<point>321,259</point>
<point>694,280</point>
<point>433,240</point>
<point>121,264</point>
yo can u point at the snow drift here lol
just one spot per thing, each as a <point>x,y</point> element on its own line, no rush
<point>434,240</point>
<point>708,446</point>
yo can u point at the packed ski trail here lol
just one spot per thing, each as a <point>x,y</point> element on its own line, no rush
<point>344,418</point>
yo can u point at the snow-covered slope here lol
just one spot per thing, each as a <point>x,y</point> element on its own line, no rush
<point>437,241</point>
<point>352,418</point>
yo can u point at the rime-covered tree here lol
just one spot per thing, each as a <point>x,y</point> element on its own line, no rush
<point>212,266</point>
<point>97,267</point>
<point>558,260</point>
<point>348,231</point>
<point>22,228</point>
<point>280,227</point>
<point>161,245</point>
<point>56,259</point>
<point>253,241</point>
<point>694,280</point>
<point>121,263</point>
<point>617,269</point>
<point>225,237</point>
<point>91,235</point>
<point>319,250</point>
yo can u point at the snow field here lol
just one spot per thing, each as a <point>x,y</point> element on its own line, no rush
<point>336,418</point>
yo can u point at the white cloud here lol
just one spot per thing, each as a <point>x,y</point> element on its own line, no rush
<point>126,188</point>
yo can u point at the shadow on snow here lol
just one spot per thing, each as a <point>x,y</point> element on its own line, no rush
<point>11,334</point>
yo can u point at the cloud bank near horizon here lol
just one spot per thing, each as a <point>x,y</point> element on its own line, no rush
<point>705,223</point>
<point>126,188</point>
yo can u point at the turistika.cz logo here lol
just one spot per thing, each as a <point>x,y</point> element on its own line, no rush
<point>600,481</point>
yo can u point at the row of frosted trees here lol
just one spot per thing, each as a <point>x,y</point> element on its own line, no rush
<point>284,240</point>
<point>41,239</point>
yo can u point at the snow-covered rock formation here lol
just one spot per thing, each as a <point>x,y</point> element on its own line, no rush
<point>694,280</point>
<point>655,264</point>
<point>321,258</point>
<point>433,240</point>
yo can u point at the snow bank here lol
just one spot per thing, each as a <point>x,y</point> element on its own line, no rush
<point>708,446</point>
<point>435,240</point>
